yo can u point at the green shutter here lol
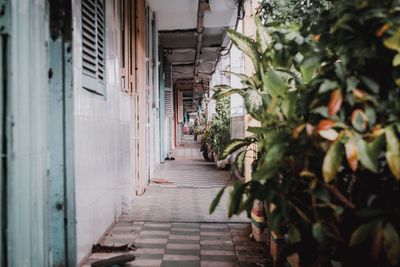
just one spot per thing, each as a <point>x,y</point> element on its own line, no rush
<point>93,45</point>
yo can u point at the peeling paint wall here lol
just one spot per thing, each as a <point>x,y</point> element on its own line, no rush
<point>103,158</point>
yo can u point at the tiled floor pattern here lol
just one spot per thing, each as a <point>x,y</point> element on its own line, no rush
<point>194,184</point>
<point>170,224</point>
<point>188,139</point>
<point>192,172</point>
<point>188,150</point>
<point>185,244</point>
<point>189,169</point>
<point>181,205</point>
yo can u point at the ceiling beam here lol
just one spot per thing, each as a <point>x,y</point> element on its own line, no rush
<point>200,29</point>
<point>176,31</point>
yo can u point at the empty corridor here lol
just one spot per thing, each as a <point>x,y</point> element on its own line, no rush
<point>170,224</point>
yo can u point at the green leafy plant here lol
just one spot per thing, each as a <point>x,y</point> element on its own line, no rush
<point>328,149</point>
<point>301,12</point>
<point>217,134</point>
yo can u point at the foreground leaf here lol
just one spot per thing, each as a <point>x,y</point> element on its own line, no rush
<point>308,68</point>
<point>329,134</point>
<point>362,233</point>
<point>241,76</point>
<point>222,91</point>
<point>393,151</point>
<point>240,162</point>
<point>332,160</point>
<point>216,200</point>
<point>274,84</point>
<point>236,198</point>
<point>396,60</point>
<point>327,85</point>
<point>325,124</point>
<point>391,243</point>
<point>318,232</point>
<point>368,156</point>
<point>294,234</point>
<point>393,160</point>
<point>234,145</point>
<point>352,153</point>
<point>335,102</point>
<point>245,44</point>
<point>269,163</point>
<point>393,42</point>
<point>359,94</point>
<point>359,120</point>
<point>377,240</point>
<point>289,104</point>
<point>263,38</point>
<point>253,101</point>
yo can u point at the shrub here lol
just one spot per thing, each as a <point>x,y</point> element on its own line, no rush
<point>328,148</point>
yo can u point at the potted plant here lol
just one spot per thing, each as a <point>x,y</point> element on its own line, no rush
<point>218,133</point>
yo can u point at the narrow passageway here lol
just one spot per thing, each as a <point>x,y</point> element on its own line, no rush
<point>170,224</point>
<point>191,183</point>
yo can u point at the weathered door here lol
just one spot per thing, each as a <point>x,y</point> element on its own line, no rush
<point>36,172</point>
<point>4,32</point>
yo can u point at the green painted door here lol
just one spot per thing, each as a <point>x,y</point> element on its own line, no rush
<point>37,212</point>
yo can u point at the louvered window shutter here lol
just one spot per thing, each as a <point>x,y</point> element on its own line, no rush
<point>93,45</point>
<point>168,96</point>
<point>168,103</point>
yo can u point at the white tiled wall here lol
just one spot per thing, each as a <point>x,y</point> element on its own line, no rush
<point>102,142</point>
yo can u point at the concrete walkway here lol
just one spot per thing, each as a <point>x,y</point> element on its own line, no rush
<point>170,224</point>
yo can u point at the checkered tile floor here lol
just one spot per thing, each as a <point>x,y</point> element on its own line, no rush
<point>181,205</point>
<point>185,244</point>
<point>189,169</point>
<point>192,172</point>
<point>170,224</point>
<point>193,185</point>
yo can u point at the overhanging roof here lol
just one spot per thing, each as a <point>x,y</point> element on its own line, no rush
<point>182,14</point>
<point>179,37</point>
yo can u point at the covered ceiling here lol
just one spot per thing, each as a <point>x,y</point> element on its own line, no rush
<point>182,14</point>
<point>192,34</point>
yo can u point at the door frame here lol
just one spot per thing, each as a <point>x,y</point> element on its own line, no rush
<point>62,236</point>
<point>4,78</point>
<point>161,109</point>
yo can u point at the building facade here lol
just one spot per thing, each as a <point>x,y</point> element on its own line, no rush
<point>89,93</point>
<point>235,61</point>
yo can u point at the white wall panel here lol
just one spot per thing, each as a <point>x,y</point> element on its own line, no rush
<point>27,230</point>
<point>103,141</point>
